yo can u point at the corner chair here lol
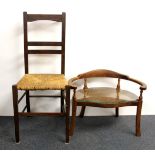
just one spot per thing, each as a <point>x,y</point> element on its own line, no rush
<point>105,97</point>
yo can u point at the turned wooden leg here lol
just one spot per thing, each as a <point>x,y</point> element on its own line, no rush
<point>117,112</point>
<point>138,119</point>
<point>83,108</point>
<point>67,114</point>
<point>15,107</point>
<point>27,101</point>
<point>73,119</point>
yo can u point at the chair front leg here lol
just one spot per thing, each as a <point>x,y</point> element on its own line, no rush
<point>138,115</point>
<point>67,113</point>
<point>15,107</point>
<point>138,119</point>
<point>73,119</point>
<point>83,108</point>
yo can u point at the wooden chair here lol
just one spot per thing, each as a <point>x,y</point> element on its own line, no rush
<point>104,97</point>
<point>34,82</point>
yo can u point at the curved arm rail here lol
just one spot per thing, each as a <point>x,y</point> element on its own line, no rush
<point>143,86</point>
<point>104,73</point>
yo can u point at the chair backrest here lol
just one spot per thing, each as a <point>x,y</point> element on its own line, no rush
<point>51,17</point>
<point>102,73</point>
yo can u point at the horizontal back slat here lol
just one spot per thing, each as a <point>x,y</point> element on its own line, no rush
<point>45,52</point>
<point>34,43</point>
<point>35,17</point>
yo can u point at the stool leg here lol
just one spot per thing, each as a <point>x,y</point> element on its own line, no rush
<point>117,112</point>
<point>83,108</point>
<point>28,101</point>
<point>16,116</point>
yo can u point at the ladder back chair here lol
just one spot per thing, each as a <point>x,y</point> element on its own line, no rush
<point>105,97</point>
<point>34,82</point>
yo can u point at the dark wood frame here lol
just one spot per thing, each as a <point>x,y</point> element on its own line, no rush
<point>108,74</point>
<point>31,18</point>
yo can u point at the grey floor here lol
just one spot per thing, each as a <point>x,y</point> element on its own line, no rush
<point>48,133</point>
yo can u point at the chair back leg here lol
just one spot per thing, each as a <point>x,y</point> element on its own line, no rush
<point>62,101</point>
<point>28,101</point>
<point>117,112</point>
<point>83,108</point>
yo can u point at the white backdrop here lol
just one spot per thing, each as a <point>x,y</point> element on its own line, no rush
<point>111,34</point>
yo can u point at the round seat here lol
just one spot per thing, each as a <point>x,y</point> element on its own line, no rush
<point>105,95</point>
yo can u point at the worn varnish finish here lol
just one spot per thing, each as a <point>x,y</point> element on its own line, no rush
<point>103,99</point>
<point>31,18</point>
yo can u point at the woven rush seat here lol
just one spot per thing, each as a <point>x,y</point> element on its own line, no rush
<point>42,82</point>
<point>105,95</point>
